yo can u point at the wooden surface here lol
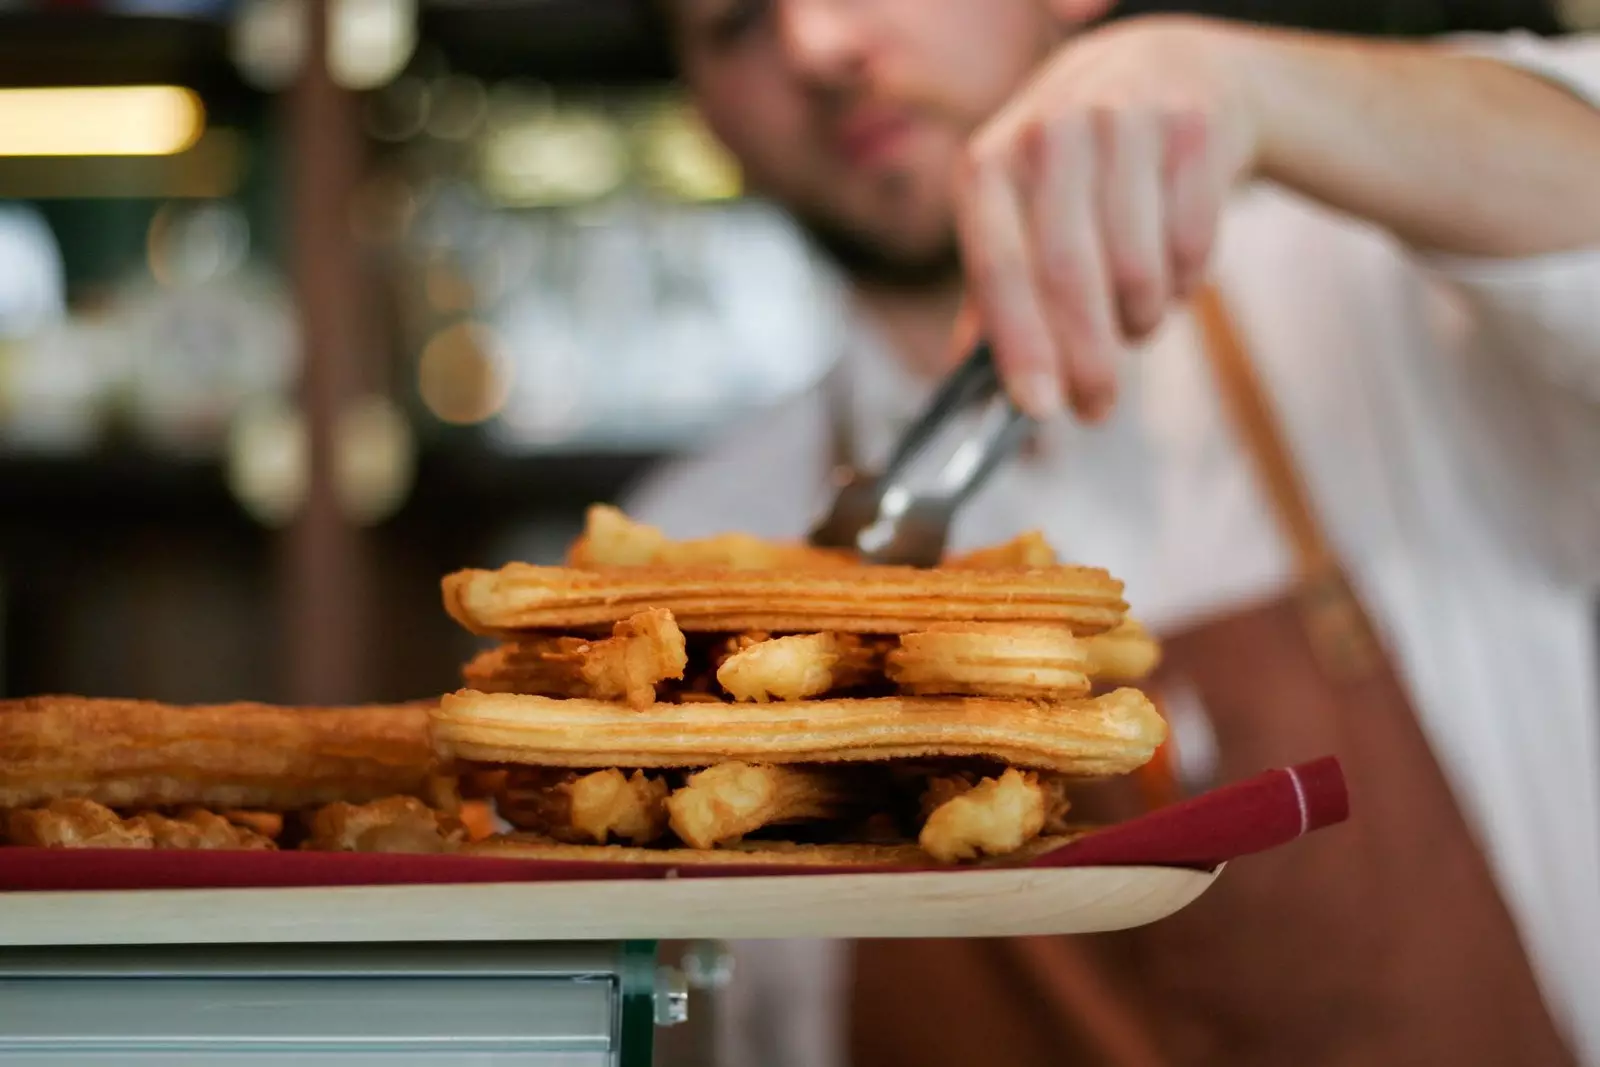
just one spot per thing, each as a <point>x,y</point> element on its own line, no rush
<point>966,904</point>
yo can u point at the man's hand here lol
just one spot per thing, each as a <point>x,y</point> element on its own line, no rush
<point>1089,203</point>
<point>1087,206</point>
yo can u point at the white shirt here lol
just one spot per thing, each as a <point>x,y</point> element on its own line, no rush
<point>1446,416</point>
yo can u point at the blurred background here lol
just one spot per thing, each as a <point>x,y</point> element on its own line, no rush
<point>304,303</point>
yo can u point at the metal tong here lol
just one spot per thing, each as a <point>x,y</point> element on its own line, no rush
<point>903,515</point>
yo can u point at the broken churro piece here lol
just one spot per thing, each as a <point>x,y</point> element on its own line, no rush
<point>742,853</point>
<point>199,829</point>
<point>269,824</point>
<point>611,539</point>
<point>993,818</point>
<point>643,649</point>
<point>75,824</point>
<point>725,802</point>
<point>394,824</point>
<point>871,600</point>
<point>1026,551</point>
<point>796,667</point>
<point>1125,654</point>
<point>992,660</point>
<point>592,808</point>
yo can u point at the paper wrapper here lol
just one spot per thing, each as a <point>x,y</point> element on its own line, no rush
<point>1204,832</point>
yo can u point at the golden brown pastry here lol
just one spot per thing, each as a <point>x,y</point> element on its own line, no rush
<point>611,539</point>
<point>752,853</point>
<point>991,659</point>
<point>199,829</point>
<point>1027,551</point>
<point>644,649</point>
<point>586,808</point>
<point>762,668</point>
<point>1125,654</point>
<point>1109,734</point>
<point>995,817</point>
<point>141,754</point>
<point>393,824</point>
<point>269,824</point>
<point>873,600</point>
<point>75,823</point>
<point>727,801</point>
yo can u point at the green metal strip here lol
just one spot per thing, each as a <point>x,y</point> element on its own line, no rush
<point>637,973</point>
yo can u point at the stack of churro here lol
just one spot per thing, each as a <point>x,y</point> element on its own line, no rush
<point>735,699</point>
<point>722,700</point>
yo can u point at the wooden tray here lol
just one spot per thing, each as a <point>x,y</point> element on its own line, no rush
<point>998,903</point>
<point>1125,875</point>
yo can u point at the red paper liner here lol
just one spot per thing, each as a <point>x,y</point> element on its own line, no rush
<point>1203,832</point>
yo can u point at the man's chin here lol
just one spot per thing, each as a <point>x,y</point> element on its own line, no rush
<point>871,260</point>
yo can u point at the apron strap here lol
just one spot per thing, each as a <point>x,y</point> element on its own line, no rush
<point>1246,404</point>
<point>1338,625</point>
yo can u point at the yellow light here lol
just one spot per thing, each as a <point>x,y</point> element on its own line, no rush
<point>114,120</point>
<point>463,376</point>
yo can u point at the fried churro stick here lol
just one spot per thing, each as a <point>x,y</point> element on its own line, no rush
<point>140,754</point>
<point>1110,734</point>
<point>611,539</point>
<point>269,824</point>
<point>1125,654</point>
<point>761,668</point>
<point>993,818</point>
<point>75,824</point>
<point>1026,551</point>
<point>857,600</point>
<point>393,824</point>
<point>994,660</point>
<point>742,853</point>
<point>643,649</point>
<point>725,802</point>
<point>938,789</point>
<point>199,829</point>
<point>754,853</point>
<point>591,808</point>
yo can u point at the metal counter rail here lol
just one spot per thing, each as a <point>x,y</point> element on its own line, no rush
<point>413,1005</point>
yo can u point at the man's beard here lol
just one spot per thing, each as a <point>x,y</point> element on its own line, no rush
<point>873,263</point>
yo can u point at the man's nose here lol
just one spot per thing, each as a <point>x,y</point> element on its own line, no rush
<point>825,40</point>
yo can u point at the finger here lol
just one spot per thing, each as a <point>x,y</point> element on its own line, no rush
<point>1000,278</point>
<point>1071,268</point>
<point>1132,221</point>
<point>1194,197</point>
<point>965,333</point>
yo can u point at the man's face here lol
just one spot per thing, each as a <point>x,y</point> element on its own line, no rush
<point>853,113</point>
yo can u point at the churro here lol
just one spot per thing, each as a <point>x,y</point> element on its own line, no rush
<point>643,650</point>
<point>75,823</point>
<point>1122,655</point>
<point>1109,734</point>
<point>996,660</point>
<point>725,802</point>
<point>199,829</point>
<point>796,667</point>
<point>995,817</point>
<point>873,600</point>
<point>138,754</point>
<point>393,824</point>
<point>611,539</point>
<point>591,808</point>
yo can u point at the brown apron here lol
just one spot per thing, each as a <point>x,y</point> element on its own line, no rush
<point>1380,942</point>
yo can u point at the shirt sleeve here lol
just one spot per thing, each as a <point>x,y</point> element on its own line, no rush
<point>1542,307</point>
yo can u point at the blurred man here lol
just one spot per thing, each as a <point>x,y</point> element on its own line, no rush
<point>1408,237</point>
